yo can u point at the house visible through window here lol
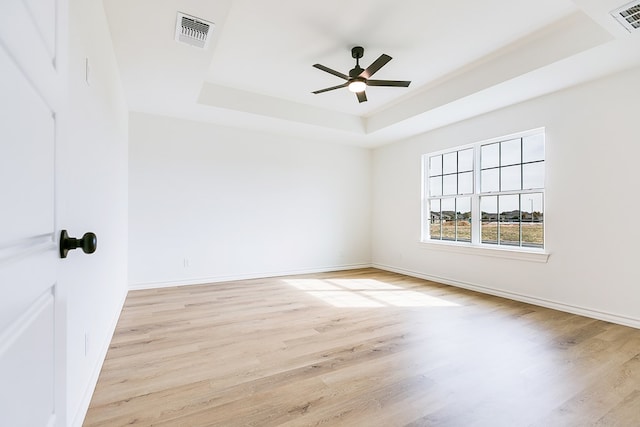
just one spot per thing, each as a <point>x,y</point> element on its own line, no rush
<point>490,193</point>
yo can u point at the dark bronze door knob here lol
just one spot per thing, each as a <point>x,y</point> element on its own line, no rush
<point>88,243</point>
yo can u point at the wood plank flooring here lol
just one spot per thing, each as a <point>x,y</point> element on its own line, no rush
<point>361,348</point>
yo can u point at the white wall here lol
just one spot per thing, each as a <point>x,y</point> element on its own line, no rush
<point>592,229</point>
<point>92,193</point>
<point>236,203</point>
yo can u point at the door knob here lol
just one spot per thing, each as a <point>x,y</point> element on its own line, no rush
<point>88,243</point>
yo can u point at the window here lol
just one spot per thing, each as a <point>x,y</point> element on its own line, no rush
<point>490,193</point>
<point>450,188</point>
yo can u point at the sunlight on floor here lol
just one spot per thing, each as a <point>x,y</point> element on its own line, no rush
<point>366,293</point>
<point>345,299</point>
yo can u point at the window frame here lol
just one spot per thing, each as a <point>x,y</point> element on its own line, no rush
<point>476,246</point>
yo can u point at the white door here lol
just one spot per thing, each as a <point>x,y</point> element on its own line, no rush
<point>32,321</point>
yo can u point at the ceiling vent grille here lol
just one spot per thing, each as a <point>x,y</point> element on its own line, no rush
<point>193,31</point>
<point>629,16</point>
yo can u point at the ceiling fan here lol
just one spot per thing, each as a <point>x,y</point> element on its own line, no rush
<point>358,79</point>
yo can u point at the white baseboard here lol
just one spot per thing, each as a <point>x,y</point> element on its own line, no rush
<point>582,311</point>
<point>79,416</point>
<point>217,279</point>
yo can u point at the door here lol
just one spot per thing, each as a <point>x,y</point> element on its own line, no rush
<point>32,321</point>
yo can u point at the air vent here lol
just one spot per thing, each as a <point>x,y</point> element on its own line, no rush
<point>193,31</point>
<point>629,16</point>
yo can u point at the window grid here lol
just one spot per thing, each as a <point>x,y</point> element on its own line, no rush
<point>447,222</point>
<point>458,216</point>
<point>518,217</point>
<point>521,163</point>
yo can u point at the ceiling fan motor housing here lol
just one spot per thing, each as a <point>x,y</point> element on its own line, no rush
<point>355,72</point>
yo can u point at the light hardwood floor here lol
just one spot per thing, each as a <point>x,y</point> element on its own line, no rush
<point>361,348</point>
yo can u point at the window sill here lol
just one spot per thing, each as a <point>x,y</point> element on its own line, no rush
<point>520,254</point>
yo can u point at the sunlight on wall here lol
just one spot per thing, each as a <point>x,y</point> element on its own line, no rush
<point>366,293</point>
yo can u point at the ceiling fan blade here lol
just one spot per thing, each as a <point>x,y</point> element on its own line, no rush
<point>330,71</point>
<point>395,83</point>
<point>362,97</point>
<point>377,64</point>
<point>331,88</point>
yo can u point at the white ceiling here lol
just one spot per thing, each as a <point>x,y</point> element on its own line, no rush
<point>464,58</point>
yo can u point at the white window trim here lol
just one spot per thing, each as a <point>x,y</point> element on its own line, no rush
<point>508,252</point>
<point>496,251</point>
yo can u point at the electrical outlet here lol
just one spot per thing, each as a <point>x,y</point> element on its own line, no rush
<point>185,262</point>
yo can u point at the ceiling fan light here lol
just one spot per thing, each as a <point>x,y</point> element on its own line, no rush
<point>357,86</point>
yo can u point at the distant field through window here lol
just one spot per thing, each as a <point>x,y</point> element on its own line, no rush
<point>490,193</point>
